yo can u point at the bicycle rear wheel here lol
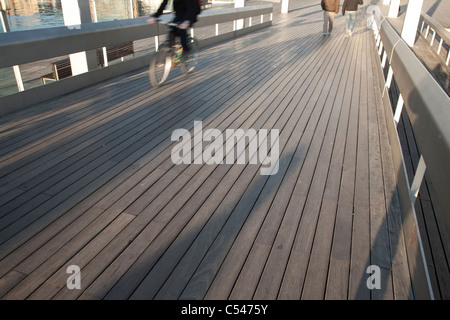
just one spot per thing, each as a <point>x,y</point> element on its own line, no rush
<point>160,66</point>
<point>189,64</point>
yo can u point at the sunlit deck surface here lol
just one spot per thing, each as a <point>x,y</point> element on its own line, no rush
<point>87,179</point>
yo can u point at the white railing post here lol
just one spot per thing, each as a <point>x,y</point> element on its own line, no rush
<point>440,46</point>
<point>18,77</point>
<point>383,60</point>
<point>411,21</point>
<point>389,77</point>
<point>75,13</point>
<point>418,178</point>
<point>398,109</point>
<point>380,48</point>
<point>433,37</point>
<point>95,19</point>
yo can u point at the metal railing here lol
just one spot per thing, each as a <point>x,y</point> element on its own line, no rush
<point>17,48</point>
<point>428,108</point>
<point>429,25</point>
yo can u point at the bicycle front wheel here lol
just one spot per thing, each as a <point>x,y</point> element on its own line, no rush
<point>189,64</point>
<point>160,66</point>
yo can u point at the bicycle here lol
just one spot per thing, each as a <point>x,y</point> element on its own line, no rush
<point>169,57</point>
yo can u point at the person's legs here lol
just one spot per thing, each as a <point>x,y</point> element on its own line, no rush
<point>331,20</point>
<point>172,35</point>
<point>349,22</point>
<point>325,22</point>
<point>352,20</point>
<point>183,39</point>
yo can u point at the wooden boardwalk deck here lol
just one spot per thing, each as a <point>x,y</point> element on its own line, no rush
<point>87,180</point>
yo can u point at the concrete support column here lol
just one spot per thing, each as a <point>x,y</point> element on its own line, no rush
<point>5,5</point>
<point>77,12</point>
<point>411,22</point>
<point>393,9</point>
<point>284,6</point>
<point>239,23</point>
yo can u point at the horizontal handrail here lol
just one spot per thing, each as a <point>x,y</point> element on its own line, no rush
<point>28,46</point>
<point>427,106</point>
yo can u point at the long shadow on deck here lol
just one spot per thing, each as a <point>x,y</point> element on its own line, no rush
<point>45,198</point>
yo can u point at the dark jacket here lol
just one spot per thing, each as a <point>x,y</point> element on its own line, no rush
<point>184,10</point>
<point>350,5</point>
<point>330,5</point>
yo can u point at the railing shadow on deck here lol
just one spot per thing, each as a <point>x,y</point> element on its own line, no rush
<point>140,108</point>
<point>105,142</point>
<point>187,267</point>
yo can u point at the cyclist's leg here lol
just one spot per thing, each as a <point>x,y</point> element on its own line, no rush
<point>172,35</point>
<point>183,39</point>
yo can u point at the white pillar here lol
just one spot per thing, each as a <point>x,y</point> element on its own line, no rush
<point>4,20</point>
<point>240,22</point>
<point>75,13</point>
<point>411,21</point>
<point>131,9</point>
<point>5,5</point>
<point>393,9</point>
<point>284,6</point>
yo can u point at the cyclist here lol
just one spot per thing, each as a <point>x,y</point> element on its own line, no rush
<point>186,12</point>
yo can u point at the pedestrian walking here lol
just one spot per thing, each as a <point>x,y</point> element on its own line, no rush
<point>349,9</point>
<point>330,9</point>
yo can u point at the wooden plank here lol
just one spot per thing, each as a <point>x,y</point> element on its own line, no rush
<point>142,227</point>
<point>317,270</point>
<point>9,281</point>
<point>361,245</point>
<point>337,284</point>
<point>269,229</point>
<point>400,272</point>
<point>266,201</point>
<point>380,243</point>
<point>316,165</point>
<point>118,98</point>
<point>57,281</point>
<point>245,126</point>
<point>221,286</point>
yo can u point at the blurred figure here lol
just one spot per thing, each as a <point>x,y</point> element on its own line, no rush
<point>330,9</point>
<point>350,7</point>
<point>186,12</point>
